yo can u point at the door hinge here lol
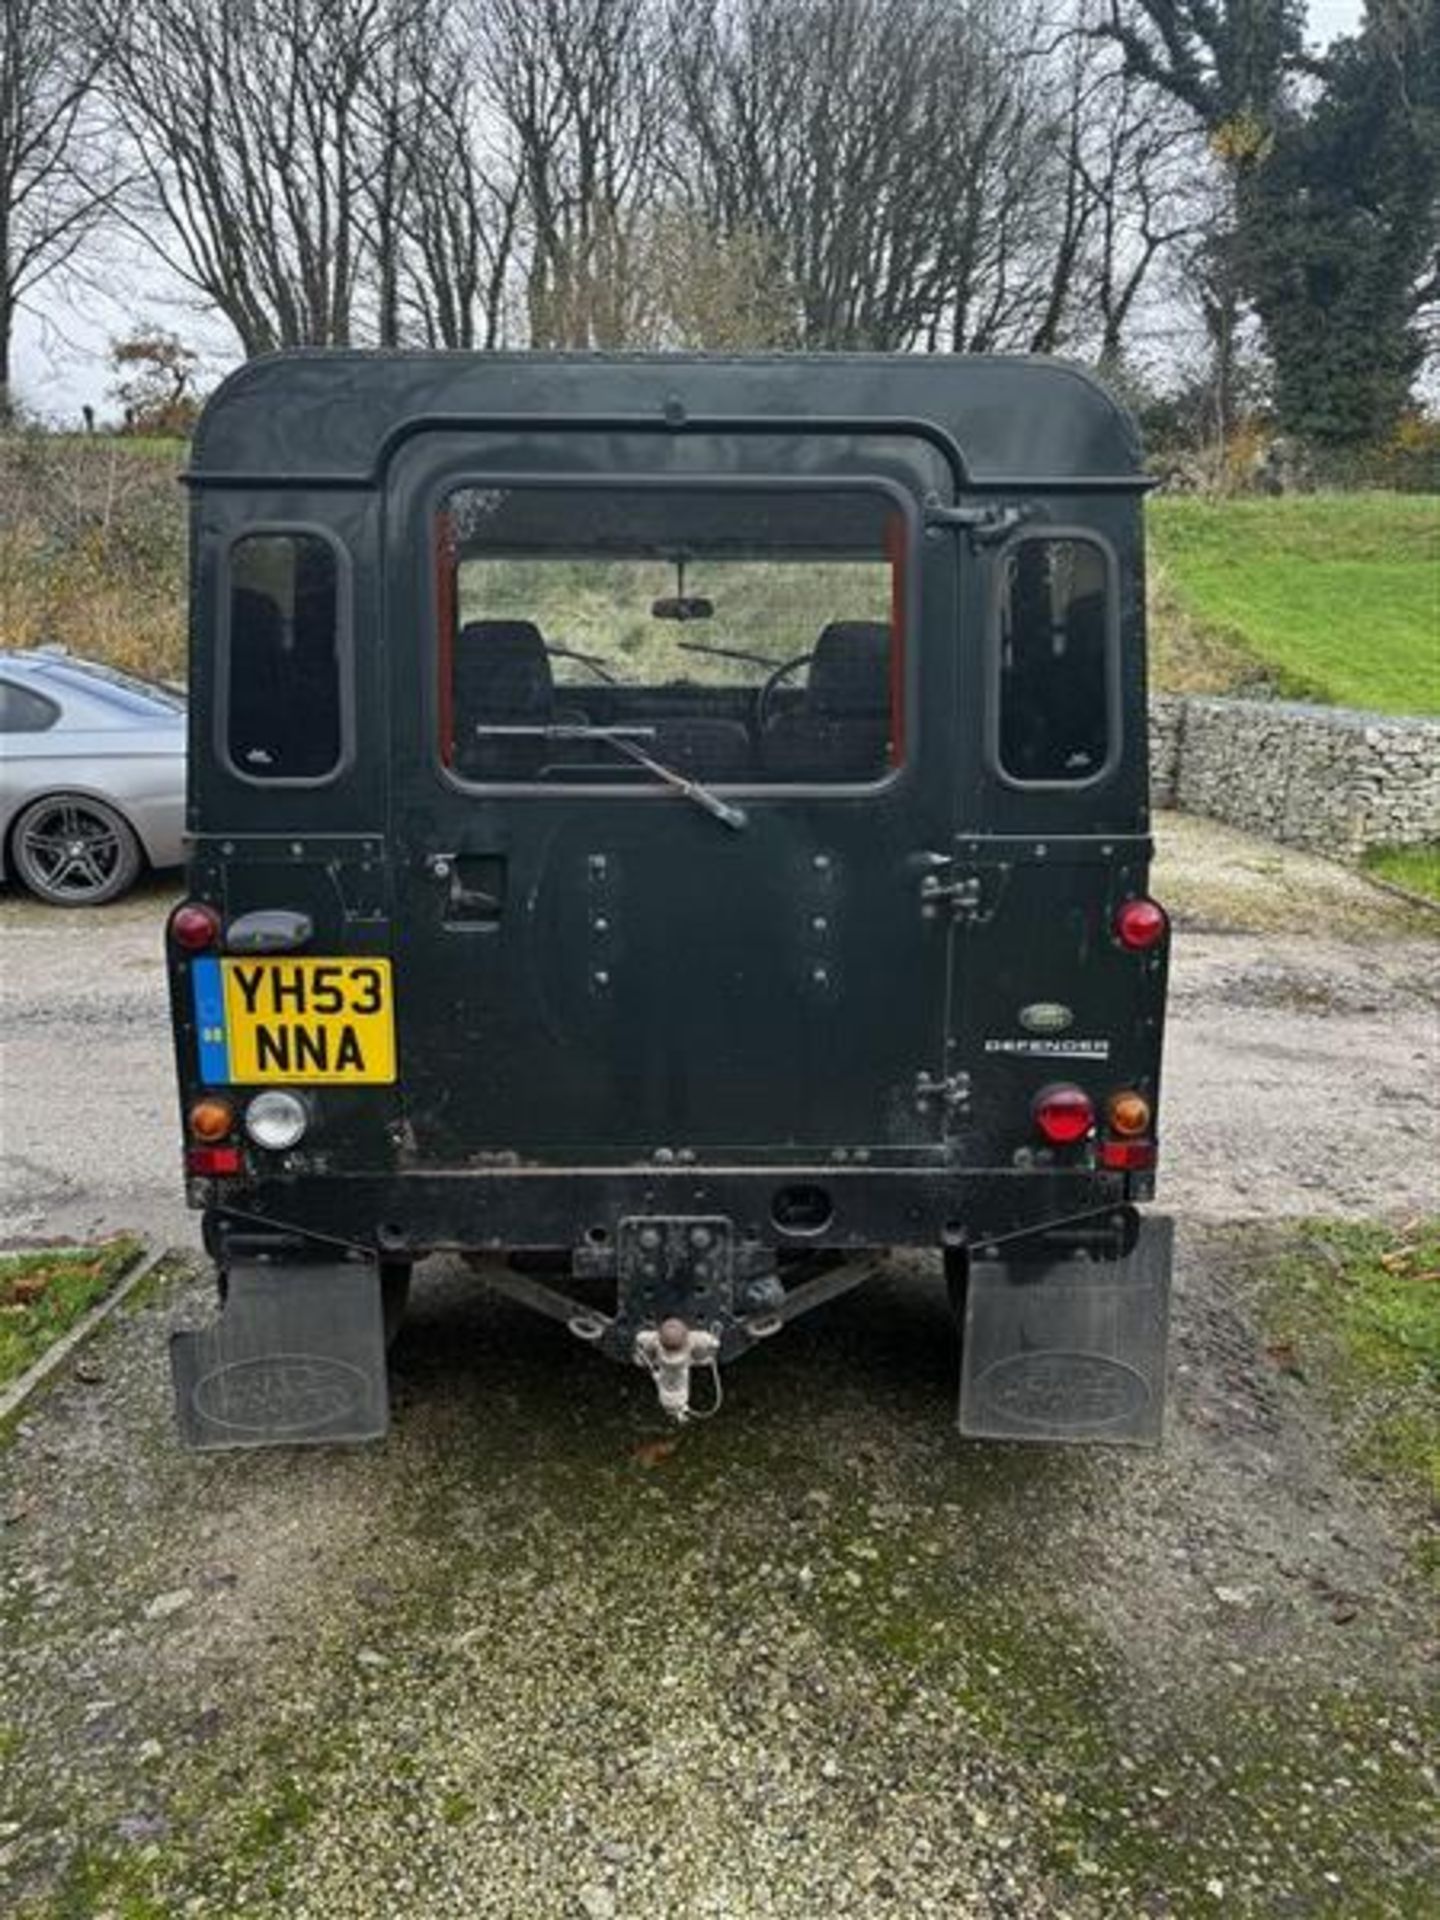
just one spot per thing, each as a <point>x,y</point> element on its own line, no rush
<point>950,1090</point>
<point>959,892</point>
<point>966,897</point>
<point>985,525</point>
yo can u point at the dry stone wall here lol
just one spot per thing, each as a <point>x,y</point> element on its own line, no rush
<point>1327,778</point>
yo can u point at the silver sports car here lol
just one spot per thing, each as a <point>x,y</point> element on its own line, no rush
<point>92,777</point>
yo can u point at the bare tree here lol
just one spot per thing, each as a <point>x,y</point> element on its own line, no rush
<point>448,198</point>
<point>1146,170</point>
<point>251,122</point>
<point>1229,64</point>
<point>582,89</point>
<point>1021,216</point>
<point>459,222</point>
<point>695,288</point>
<point>896,149</point>
<point>57,164</point>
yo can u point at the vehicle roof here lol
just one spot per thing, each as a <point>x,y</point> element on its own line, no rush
<point>333,414</point>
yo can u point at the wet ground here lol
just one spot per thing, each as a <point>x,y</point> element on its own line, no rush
<point>539,1657</point>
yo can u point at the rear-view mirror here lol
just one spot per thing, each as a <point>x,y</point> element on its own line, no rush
<point>682,606</point>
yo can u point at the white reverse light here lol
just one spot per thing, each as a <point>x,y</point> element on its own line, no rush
<point>276,1120</point>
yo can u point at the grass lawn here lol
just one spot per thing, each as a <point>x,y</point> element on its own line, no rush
<point>1356,1310</point>
<point>43,1294</point>
<point>1330,597</point>
<point>1417,868</point>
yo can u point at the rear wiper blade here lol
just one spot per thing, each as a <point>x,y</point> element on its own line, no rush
<point>624,739</point>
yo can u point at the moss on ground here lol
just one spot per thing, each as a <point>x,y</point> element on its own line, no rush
<point>43,1294</point>
<point>912,1597</point>
<point>1356,1309</point>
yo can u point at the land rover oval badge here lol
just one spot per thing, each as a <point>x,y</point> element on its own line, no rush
<point>1046,1016</point>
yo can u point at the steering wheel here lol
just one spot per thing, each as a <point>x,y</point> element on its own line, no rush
<point>765,698</point>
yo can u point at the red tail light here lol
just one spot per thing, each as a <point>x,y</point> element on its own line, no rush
<point>1064,1115</point>
<point>195,927</point>
<point>1140,925</point>
<point>1127,1156</point>
<point>207,1161</point>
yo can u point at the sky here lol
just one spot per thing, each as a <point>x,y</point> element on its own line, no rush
<point>64,333</point>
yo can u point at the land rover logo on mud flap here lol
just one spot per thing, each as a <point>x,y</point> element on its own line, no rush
<point>1046,1016</point>
<point>283,1393</point>
<point>1068,1392</point>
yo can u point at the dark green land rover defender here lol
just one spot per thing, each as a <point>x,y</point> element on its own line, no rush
<point>669,828</point>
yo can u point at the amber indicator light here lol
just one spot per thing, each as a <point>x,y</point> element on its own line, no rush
<point>1129,1113</point>
<point>211,1119</point>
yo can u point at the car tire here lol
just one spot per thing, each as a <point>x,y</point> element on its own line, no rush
<point>73,851</point>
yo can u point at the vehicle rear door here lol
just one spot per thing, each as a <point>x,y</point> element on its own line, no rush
<point>592,967</point>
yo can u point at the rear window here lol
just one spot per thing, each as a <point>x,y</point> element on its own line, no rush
<point>737,636</point>
<point>1056,614</point>
<point>282,711</point>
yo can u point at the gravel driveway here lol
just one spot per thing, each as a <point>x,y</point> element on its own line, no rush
<point>537,1657</point>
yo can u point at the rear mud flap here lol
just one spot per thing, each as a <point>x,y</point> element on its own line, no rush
<point>296,1358</point>
<point>1070,1349</point>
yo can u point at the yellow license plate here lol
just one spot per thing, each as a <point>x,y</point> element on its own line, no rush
<point>324,1022</point>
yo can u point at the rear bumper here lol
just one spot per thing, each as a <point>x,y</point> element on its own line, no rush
<point>1055,1348</point>
<point>480,1209</point>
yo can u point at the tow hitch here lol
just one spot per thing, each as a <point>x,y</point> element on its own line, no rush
<point>689,1294</point>
<point>671,1352</point>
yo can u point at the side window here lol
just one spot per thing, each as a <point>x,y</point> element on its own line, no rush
<point>1055,666</point>
<point>283,719</point>
<point>24,712</point>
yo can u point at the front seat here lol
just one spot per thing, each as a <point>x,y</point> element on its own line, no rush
<point>502,679</point>
<point>840,728</point>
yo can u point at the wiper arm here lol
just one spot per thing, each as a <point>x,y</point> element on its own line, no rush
<point>725,653</point>
<point>624,739</point>
<point>682,783</point>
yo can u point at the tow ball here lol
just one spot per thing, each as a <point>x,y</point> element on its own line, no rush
<point>670,1354</point>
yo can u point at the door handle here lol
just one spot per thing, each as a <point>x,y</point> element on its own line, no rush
<point>474,887</point>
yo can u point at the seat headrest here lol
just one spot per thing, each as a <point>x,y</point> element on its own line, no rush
<point>501,667</point>
<point>255,618</point>
<point>850,671</point>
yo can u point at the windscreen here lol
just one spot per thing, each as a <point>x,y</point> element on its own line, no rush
<point>736,636</point>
